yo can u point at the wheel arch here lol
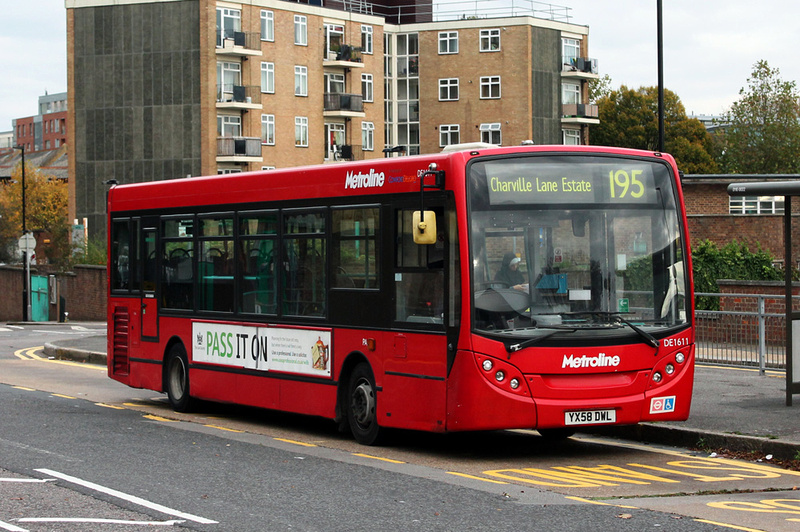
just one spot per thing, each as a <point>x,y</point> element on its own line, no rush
<point>353,359</point>
<point>172,342</point>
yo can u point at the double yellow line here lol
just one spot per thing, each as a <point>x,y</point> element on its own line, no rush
<point>30,353</point>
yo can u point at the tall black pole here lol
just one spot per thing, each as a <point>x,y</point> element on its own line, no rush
<point>660,78</point>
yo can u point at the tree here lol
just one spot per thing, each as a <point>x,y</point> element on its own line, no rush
<point>762,135</point>
<point>629,119</point>
<point>45,211</point>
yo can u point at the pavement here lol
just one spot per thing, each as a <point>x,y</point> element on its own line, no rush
<point>733,409</point>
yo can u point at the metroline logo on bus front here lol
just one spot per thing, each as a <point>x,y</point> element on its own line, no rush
<point>600,361</point>
<point>361,180</point>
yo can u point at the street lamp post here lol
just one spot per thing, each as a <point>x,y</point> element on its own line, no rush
<point>26,266</point>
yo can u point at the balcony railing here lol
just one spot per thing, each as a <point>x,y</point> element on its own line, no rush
<point>344,52</point>
<point>585,65</point>
<point>338,101</point>
<point>579,110</point>
<point>238,93</point>
<point>238,39</point>
<point>238,147</point>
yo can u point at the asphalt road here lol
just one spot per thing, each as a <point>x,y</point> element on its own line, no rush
<point>90,448</point>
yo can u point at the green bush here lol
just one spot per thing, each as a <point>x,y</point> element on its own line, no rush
<point>733,261</point>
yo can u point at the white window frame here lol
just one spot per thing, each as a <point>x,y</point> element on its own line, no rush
<point>448,42</point>
<point>449,134</point>
<point>268,77</point>
<point>224,13</point>
<point>334,83</point>
<point>300,80</point>
<point>492,133</point>
<point>489,84</point>
<point>301,30</point>
<point>267,25</point>
<point>229,125</point>
<point>367,39</point>
<point>571,92</point>
<point>571,137</point>
<point>448,89</point>
<point>367,88</point>
<point>228,73</point>
<point>367,136</point>
<point>754,205</point>
<point>268,130</point>
<point>570,50</point>
<point>301,131</point>
<point>490,40</point>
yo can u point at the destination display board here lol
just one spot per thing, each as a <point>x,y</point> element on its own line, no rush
<point>534,180</point>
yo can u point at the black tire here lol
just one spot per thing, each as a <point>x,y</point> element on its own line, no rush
<point>556,434</point>
<point>362,406</point>
<point>177,379</point>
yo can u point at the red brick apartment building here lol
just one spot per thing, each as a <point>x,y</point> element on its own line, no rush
<point>46,130</point>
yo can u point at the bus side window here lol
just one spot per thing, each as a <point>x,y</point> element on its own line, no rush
<point>419,274</point>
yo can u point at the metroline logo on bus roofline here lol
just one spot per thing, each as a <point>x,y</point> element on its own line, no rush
<point>600,361</point>
<point>362,180</point>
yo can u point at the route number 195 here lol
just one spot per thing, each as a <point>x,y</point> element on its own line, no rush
<point>623,184</point>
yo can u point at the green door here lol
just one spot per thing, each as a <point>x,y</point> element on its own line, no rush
<point>39,299</point>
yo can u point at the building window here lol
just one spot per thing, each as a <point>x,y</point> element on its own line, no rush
<point>571,137</point>
<point>334,40</point>
<point>570,92</point>
<point>334,83</point>
<point>490,40</point>
<point>228,76</point>
<point>448,42</point>
<point>300,81</point>
<point>367,87</point>
<point>490,133</point>
<point>267,25</point>
<point>301,131</point>
<point>490,87</point>
<point>229,126</point>
<point>449,134</point>
<point>756,205</point>
<point>268,77</point>
<point>301,30</point>
<point>229,21</point>
<point>367,136</point>
<point>448,90</point>
<point>570,50</point>
<point>366,39</point>
<point>268,129</point>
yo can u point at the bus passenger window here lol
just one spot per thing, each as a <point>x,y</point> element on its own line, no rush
<point>355,252</point>
<point>120,255</point>
<point>177,276</point>
<point>258,232</point>
<point>303,270</point>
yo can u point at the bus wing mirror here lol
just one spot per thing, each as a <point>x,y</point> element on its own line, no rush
<point>424,223</point>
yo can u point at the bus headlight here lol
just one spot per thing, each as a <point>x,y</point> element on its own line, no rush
<point>680,358</point>
<point>514,383</point>
<point>499,376</point>
<point>670,369</point>
<point>657,377</point>
<point>487,365</point>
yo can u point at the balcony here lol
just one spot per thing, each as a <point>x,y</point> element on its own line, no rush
<point>238,149</point>
<point>338,104</point>
<point>580,67</point>
<point>345,56</point>
<point>238,96</point>
<point>579,113</point>
<point>238,43</point>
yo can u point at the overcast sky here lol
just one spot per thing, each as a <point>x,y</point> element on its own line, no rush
<point>710,47</point>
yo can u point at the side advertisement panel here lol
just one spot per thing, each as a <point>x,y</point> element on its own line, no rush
<point>300,351</point>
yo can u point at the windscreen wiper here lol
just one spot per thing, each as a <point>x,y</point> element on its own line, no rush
<point>646,336</point>
<point>513,348</point>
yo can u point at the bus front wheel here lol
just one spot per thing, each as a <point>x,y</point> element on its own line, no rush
<point>362,406</point>
<point>177,379</point>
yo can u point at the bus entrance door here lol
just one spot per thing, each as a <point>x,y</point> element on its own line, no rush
<point>149,314</point>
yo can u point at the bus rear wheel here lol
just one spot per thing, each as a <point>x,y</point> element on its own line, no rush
<point>177,379</point>
<point>362,406</point>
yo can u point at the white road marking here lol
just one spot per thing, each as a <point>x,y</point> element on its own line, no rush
<point>11,528</point>
<point>126,497</point>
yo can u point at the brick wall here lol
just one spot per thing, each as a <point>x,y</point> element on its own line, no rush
<point>83,290</point>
